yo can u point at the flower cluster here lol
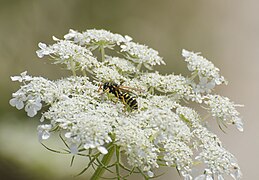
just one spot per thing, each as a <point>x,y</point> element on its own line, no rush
<point>93,38</point>
<point>222,108</point>
<point>141,54</point>
<point>92,109</point>
<point>70,54</point>
<point>208,74</point>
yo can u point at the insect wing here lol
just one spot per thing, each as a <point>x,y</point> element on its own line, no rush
<point>130,89</point>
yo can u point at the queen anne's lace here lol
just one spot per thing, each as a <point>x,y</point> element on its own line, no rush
<point>70,54</point>
<point>161,132</point>
<point>208,74</point>
<point>223,109</point>
<point>93,38</point>
<point>141,54</point>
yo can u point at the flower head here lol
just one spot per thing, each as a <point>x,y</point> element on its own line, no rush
<point>225,110</point>
<point>141,54</point>
<point>208,74</point>
<point>94,38</point>
<point>95,116</point>
<point>70,54</point>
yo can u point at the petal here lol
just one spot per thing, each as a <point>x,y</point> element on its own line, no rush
<point>102,149</point>
<point>45,135</point>
<point>185,53</point>
<point>40,53</point>
<point>30,111</point>
<point>150,174</point>
<point>13,102</point>
<point>19,105</point>
<point>16,78</point>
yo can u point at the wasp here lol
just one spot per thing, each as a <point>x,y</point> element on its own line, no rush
<point>122,93</point>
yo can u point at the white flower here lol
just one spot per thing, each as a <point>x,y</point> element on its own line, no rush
<point>121,64</point>
<point>156,101</point>
<point>104,74</point>
<point>43,132</point>
<point>208,74</point>
<point>33,105</point>
<point>217,159</point>
<point>70,54</point>
<point>204,86</point>
<point>34,90</point>
<point>18,100</point>
<point>134,140</point>
<point>23,77</point>
<point>44,50</point>
<point>95,38</point>
<point>161,131</point>
<point>176,85</point>
<point>178,153</point>
<point>222,108</point>
<point>102,149</point>
<point>92,130</point>
<point>72,34</point>
<point>82,126</point>
<point>150,174</point>
<point>141,54</point>
<point>167,125</point>
<point>236,174</point>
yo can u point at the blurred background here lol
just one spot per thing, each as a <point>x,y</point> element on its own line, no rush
<point>225,31</point>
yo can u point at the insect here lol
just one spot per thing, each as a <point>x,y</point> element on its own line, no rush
<point>122,93</point>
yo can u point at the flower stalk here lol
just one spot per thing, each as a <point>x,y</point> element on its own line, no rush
<point>105,162</point>
<point>72,64</point>
<point>102,52</point>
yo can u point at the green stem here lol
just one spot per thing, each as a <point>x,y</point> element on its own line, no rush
<point>102,52</point>
<point>194,74</point>
<point>139,66</point>
<point>118,162</point>
<point>72,64</point>
<point>74,72</point>
<point>105,161</point>
<point>83,72</point>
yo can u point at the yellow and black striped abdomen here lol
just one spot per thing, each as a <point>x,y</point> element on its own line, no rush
<point>128,100</point>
